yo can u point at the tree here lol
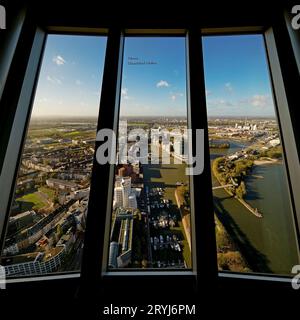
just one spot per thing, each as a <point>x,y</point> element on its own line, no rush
<point>144,263</point>
<point>55,200</point>
<point>240,191</point>
<point>59,231</point>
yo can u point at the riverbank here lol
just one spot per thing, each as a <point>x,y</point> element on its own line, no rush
<point>242,201</point>
<point>229,254</point>
<point>213,145</point>
<point>261,162</point>
<point>251,209</point>
<point>262,242</point>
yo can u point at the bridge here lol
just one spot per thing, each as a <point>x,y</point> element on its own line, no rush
<point>232,184</point>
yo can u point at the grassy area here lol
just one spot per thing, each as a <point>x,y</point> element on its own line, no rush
<point>56,134</point>
<point>34,199</point>
<point>40,133</point>
<point>49,192</point>
<point>180,194</point>
<point>71,134</point>
<point>274,153</point>
<point>186,252</point>
<point>229,258</point>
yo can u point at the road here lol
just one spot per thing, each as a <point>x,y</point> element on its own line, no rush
<point>148,225</point>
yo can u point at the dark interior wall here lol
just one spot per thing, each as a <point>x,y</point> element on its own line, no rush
<point>156,14</point>
<point>94,14</point>
<point>132,14</point>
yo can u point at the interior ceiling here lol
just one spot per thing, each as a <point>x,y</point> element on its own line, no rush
<point>152,14</point>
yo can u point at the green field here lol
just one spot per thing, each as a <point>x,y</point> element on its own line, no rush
<point>41,133</point>
<point>49,192</point>
<point>32,201</point>
<point>71,134</point>
<point>186,250</point>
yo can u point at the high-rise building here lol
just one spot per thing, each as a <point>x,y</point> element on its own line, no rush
<point>126,190</point>
<point>113,254</point>
<point>180,147</point>
<point>123,194</point>
<point>132,201</point>
<point>118,197</point>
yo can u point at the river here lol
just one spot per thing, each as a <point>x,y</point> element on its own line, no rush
<point>268,244</point>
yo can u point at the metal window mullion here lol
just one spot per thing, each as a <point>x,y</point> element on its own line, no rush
<point>99,209</point>
<point>204,249</point>
<point>19,126</point>
<point>285,83</point>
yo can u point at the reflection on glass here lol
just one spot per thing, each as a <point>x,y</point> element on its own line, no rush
<point>150,225</point>
<point>254,221</point>
<point>47,219</point>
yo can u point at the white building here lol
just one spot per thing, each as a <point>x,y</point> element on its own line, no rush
<point>33,263</point>
<point>124,196</point>
<point>180,147</point>
<point>82,193</point>
<point>274,142</point>
<point>132,201</point>
<point>126,191</point>
<point>118,197</point>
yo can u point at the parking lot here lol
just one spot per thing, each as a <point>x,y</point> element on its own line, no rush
<point>166,238</point>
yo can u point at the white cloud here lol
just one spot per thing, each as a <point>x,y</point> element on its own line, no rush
<point>228,86</point>
<point>125,95</point>
<point>54,80</point>
<point>257,100</point>
<point>59,60</point>
<point>175,95</point>
<point>42,100</point>
<point>124,91</point>
<point>78,82</point>
<point>208,92</point>
<point>162,83</point>
<point>260,101</point>
<point>219,103</point>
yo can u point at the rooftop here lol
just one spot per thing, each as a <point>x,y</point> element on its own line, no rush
<point>31,257</point>
<point>62,182</point>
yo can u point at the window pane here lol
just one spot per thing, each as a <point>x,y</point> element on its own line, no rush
<point>254,219</point>
<point>151,212</point>
<point>47,219</point>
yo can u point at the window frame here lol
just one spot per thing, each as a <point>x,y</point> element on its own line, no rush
<point>92,273</point>
<point>287,137</point>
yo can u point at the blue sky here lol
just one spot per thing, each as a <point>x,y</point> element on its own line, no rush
<point>236,76</point>
<point>157,89</point>
<point>154,77</point>
<point>71,76</point>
